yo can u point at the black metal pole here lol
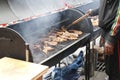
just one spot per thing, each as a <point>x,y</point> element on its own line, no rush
<point>87,62</point>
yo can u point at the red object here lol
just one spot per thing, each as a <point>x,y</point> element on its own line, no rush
<point>3,25</point>
<point>27,19</point>
<point>66,4</point>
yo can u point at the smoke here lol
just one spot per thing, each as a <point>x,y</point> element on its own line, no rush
<point>33,29</point>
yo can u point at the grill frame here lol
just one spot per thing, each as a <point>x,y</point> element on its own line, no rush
<point>82,41</point>
<point>57,57</point>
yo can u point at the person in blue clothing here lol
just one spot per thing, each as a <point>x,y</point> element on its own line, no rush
<point>109,22</point>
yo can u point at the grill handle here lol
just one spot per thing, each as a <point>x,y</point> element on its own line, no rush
<point>78,20</point>
<point>27,52</point>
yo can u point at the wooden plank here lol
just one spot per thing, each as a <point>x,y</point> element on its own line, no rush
<point>13,69</point>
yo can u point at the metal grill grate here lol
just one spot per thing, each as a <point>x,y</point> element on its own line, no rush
<point>100,66</point>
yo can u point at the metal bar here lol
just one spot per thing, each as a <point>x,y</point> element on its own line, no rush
<point>87,63</point>
<point>27,52</point>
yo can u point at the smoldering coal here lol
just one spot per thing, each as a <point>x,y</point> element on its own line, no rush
<point>33,29</point>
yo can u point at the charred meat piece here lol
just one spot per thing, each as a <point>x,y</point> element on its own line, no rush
<point>59,39</point>
<point>72,38</point>
<point>76,32</point>
<point>46,49</point>
<point>37,46</point>
<point>52,43</point>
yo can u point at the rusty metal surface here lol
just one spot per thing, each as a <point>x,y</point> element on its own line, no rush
<point>11,44</point>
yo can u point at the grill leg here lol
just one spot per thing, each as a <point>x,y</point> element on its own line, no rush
<point>87,62</point>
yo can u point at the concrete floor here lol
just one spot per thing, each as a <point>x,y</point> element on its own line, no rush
<point>97,76</point>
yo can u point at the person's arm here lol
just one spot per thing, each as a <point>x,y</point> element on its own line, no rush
<point>115,29</point>
<point>92,12</point>
<point>113,34</point>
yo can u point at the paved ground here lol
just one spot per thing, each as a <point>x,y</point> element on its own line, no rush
<point>97,76</point>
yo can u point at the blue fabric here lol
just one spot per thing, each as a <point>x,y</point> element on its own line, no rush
<point>69,72</point>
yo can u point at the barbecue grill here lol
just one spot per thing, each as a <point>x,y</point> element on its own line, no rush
<point>34,30</point>
<point>13,39</point>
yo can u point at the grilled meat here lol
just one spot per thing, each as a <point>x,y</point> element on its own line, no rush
<point>76,32</point>
<point>52,43</point>
<point>59,39</point>
<point>46,49</point>
<point>55,37</point>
